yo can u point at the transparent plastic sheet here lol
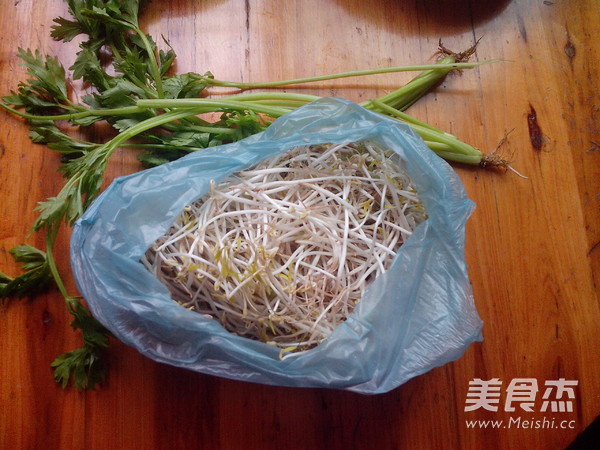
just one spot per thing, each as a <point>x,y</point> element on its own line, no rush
<point>418,315</point>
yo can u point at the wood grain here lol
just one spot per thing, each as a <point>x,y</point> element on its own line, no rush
<point>533,245</point>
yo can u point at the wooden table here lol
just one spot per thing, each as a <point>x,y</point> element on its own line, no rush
<point>533,245</point>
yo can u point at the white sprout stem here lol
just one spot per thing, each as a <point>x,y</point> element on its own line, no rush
<point>283,252</point>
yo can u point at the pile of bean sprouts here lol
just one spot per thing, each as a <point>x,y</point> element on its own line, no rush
<point>283,252</point>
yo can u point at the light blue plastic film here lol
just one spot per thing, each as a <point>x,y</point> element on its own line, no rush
<point>418,315</point>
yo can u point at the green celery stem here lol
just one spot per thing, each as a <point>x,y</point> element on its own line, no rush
<point>355,73</point>
<point>202,105</point>
<point>408,94</point>
<point>453,149</point>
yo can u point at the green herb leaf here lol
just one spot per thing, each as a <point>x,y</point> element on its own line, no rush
<point>158,157</point>
<point>35,278</point>
<point>48,75</point>
<point>85,366</point>
<point>94,333</point>
<point>87,66</point>
<point>65,30</point>
<point>166,59</point>
<point>46,132</point>
<point>244,124</point>
<point>122,93</point>
<point>46,88</point>
<point>186,85</point>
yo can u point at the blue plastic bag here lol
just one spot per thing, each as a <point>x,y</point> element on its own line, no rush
<point>417,316</point>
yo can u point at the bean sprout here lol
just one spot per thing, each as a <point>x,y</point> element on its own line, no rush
<point>284,251</point>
